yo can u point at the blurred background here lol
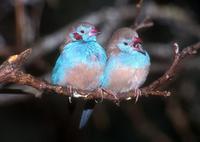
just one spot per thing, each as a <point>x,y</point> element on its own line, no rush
<point>41,25</point>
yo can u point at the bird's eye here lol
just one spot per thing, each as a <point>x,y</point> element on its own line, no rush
<point>82,31</point>
<point>125,43</point>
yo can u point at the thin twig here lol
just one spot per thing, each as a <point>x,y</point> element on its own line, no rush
<point>145,23</point>
<point>138,9</point>
<point>178,57</point>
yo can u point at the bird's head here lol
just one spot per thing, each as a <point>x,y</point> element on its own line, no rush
<point>126,40</point>
<point>82,31</point>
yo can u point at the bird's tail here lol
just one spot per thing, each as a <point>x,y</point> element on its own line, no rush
<point>85,117</point>
<point>88,109</point>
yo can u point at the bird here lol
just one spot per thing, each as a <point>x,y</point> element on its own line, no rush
<point>128,63</point>
<point>81,62</point>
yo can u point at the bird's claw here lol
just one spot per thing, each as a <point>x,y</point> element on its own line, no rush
<point>101,93</point>
<point>137,93</point>
<point>70,100</point>
<point>70,89</point>
<point>71,93</point>
<point>129,98</point>
<point>77,95</point>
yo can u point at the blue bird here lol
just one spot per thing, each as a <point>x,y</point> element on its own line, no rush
<point>81,62</point>
<point>128,64</point>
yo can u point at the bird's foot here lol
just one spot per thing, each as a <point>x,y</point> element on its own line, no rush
<point>70,89</point>
<point>70,100</point>
<point>137,93</point>
<point>71,93</point>
<point>99,90</point>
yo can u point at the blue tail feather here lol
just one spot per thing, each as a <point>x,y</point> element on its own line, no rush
<point>85,117</point>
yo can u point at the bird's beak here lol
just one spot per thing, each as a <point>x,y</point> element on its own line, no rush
<point>137,45</point>
<point>94,32</point>
<point>137,40</point>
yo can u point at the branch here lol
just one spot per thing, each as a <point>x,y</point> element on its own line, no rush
<point>171,72</point>
<point>145,23</point>
<point>10,71</point>
<point>138,10</point>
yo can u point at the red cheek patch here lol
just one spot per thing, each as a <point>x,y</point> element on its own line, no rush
<point>77,36</point>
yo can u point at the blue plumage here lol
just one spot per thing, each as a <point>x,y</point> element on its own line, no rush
<point>81,62</point>
<point>131,61</point>
<point>128,63</point>
<point>77,53</point>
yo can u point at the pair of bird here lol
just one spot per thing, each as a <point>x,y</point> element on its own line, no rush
<point>83,62</point>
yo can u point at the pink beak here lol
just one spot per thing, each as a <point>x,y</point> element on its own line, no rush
<point>94,32</point>
<point>136,41</point>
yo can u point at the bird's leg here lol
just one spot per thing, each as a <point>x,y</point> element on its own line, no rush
<point>71,92</point>
<point>137,93</point>
<point>99,90</point>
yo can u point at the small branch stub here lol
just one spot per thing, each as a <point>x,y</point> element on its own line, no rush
<point>176,48</point>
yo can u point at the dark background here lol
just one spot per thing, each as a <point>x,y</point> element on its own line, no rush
<point>41,25</point>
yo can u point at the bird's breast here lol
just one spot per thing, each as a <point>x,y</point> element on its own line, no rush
<point>84,77</point>
<point>125,79</point>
